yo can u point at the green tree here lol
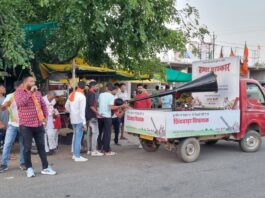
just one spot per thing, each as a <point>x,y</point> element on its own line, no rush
<point>118,33</point>
<point>12,37</point>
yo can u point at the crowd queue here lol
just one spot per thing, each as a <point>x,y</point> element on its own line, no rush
<point>29,115</point>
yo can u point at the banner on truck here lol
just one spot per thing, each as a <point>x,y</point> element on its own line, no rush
<point>227,71</point>
<point>152,123</point>
<point>201,123</point>
<point>182,123</point>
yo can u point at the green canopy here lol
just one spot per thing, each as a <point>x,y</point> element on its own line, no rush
<point>38,34</point>
<point>177,76</point>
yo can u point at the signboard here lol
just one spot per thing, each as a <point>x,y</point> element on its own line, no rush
<point>182,123</point>
<point>201,123</point>
<point>143,122</point>
<point>227,71</point>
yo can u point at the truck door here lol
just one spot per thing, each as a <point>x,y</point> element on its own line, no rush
<point>255,105</point>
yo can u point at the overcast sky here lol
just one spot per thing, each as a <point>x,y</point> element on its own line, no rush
<point>234,22</point>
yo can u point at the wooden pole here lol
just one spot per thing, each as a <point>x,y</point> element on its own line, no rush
<point>73,74</point>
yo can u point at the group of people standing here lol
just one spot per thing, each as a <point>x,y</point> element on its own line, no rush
<point>31,116</point>
<point>164,102</point>
<point>96,116</point>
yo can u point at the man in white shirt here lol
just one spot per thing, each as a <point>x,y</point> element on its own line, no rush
<point>12,130</point>
<point>76,106</point>
<point>50,136</point>
<point>106,105</point>
<point>123,94</point>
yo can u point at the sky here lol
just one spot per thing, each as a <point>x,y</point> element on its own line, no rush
<point>234,22</point>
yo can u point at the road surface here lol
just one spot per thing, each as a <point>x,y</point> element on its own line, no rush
<point>221,171</point>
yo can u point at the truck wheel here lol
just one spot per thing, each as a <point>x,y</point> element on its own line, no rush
<point>251,142</point>
<point>189,150</point>
<point>211,142</point>
<point>149,146</point>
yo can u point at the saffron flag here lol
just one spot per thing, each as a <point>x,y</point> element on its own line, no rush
<point>232,53</point>
<point>244,67</point>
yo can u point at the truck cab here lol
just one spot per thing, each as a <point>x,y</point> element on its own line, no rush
<point>252,107</point>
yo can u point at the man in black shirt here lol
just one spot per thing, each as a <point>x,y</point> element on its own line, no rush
<point>92,116</point>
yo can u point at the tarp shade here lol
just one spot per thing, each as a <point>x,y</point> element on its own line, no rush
<point>177,76</point>
<point>83,67</point>
<point>46,69</point>
<point>152,81</point>
<point>38,34</point>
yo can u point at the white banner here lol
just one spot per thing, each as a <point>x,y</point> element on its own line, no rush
<point>227,71</point>
<point>149,122</point>
<point>201,123</point>
<point>182,123</point>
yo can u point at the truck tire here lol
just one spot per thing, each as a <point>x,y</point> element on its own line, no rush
<point>149,146</point>
<point>211,142</point>
<point>251,142</point>
<point>189,150</point>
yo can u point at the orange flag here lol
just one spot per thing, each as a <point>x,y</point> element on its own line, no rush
<point>244,68</point>
<point>38,108</point>
<point>221,53</point>
<point>232,53</point>
<point>72,95</point>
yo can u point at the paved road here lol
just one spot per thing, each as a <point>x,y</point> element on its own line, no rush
<point>222,171</point>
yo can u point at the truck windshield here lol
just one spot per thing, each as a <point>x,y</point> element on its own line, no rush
<point>254,92</point>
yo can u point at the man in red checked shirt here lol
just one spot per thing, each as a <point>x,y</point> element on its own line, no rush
<point>32,113</point>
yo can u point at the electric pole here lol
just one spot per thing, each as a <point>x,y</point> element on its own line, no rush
<point>214,38</point>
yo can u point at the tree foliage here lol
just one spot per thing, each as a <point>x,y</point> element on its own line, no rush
<point>12,37</point>
<point>124,34</point>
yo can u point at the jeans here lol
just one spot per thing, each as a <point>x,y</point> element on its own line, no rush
<point>77,138</point>
<point>104,134</point>
<point>116,126</point>
<point>11,134</point>
<point>92,134</point>
<point>38,134</point>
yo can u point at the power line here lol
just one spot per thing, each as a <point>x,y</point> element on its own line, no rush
<point>232,29</point>
<point>214,37</point>
<point>243,31</point>
<point>240,44</point>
